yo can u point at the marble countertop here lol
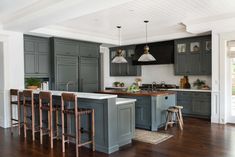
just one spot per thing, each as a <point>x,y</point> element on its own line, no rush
<point>190,90</point>
<point>124,101</point>
<point>81,94</point>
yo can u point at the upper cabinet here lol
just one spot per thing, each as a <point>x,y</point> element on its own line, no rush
<point>75,65</point>
<point>88,49</point>
<point>193,56</point>
<point>124,69</point>
<point>36,56</point>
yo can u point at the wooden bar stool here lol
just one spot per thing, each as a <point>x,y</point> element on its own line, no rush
<point>77,112</point>
<point>180,113</point>
<point>28,102</point>
<point>45,104</point>
<point>171,112</point>
<point>15,100</point>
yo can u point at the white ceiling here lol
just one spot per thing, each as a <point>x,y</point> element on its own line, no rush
<point>97,20</point>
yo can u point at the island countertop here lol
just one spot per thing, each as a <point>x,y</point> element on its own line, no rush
<point>98,96</point>
<point>140,93</point>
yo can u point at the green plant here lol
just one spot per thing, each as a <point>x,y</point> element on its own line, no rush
<point>199,83</point>
<point>33,82</point>
<point>116,84</point>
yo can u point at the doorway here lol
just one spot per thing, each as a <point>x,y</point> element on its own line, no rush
<point>231,82</point>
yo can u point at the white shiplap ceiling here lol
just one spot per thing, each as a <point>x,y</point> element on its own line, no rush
<point>165,16</point>
<point>168,18</point>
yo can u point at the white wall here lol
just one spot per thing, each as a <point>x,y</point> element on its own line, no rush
<point>11,70</point>
<point>150,73</point>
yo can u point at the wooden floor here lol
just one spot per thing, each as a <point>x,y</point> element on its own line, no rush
<point>200,138</point>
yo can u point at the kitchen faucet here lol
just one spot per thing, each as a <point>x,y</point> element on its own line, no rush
<point>153,83</point>
<point>69,83</point>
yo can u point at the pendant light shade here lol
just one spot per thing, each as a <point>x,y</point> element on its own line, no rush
<point>146,56</point>
<point>119,58</point>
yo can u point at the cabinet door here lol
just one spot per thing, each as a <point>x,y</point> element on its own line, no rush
<point>133,70</point>
<point>43,57</point>
<point>185,99</point>
<point>66,71</point>
<point>143,113</point>
<point>193,64</point>
<point>88,50</point>
<point>181,64</point>
<point>29,56</point>
<point>65,47</point>
<point>201,103</point>
<point>43,64</point>
<point>30,63</point>
<point>89,74</point>
<point>206,60</point>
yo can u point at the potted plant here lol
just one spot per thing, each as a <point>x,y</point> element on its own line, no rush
<point>199,83</point>
<point>117,84</point>
<point>32,83</point>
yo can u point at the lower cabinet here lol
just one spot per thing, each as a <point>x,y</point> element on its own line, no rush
<point>126,123</point>
<point>150,111</point>
<point>197,104</point>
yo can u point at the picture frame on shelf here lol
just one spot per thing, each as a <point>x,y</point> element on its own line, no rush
<point>181,48</point>
<point>194,46</point>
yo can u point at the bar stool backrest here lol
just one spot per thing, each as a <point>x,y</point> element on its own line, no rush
<point>68,97</point>
<point>28,93</point>
<point>14,92</point>
<point>45,96</point>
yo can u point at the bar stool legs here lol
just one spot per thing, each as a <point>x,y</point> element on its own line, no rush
<point>170,121</point>
<point>14,93</point>
<point>28,102</point>
<point>45,104</point>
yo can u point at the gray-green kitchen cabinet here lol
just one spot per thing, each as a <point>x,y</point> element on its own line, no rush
<point>150,111</point>
<point>193,56</point>
<point>79,61</point>
<point>124,69</point>
<point>89,74</point>
<point>66,72</point>
<point>196,104</point>
<point>36,56</point>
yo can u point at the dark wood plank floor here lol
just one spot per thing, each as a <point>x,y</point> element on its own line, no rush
<point>200,138</point>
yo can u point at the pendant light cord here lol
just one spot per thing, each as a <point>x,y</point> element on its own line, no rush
<point>146,31</point>
<point>119,34</point>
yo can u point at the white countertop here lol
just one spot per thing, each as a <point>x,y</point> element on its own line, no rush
<point>124,101</point>
<point>81,94</point>
<point>190,90</point>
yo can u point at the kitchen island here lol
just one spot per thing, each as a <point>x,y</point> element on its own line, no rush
<point>150,107</point>
<point>114,118</point>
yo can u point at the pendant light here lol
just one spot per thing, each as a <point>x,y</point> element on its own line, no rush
<point>119,58</point>
<point>146,56</point>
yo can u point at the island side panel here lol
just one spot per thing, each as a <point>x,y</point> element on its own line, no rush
<point>126,123</point>
<point>159,105</point>
<point>105,123</point>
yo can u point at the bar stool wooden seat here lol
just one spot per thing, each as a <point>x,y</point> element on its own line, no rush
<point>46,104</point>
<point>28,102</point>
<point>15,99</point>
<point>171,112</point>
<point>77,112</point>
